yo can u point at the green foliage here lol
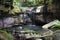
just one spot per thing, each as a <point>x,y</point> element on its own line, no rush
<point>41,2</point>
<point>49,2</point>
<point>7,35</point>
<point>16,0</point>
<point>28,3</point>
<point>32,2</point>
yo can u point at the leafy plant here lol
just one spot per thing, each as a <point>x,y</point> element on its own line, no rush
<point>7,35</point>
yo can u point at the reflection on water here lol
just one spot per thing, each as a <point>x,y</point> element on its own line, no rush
<point>34,28</point>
